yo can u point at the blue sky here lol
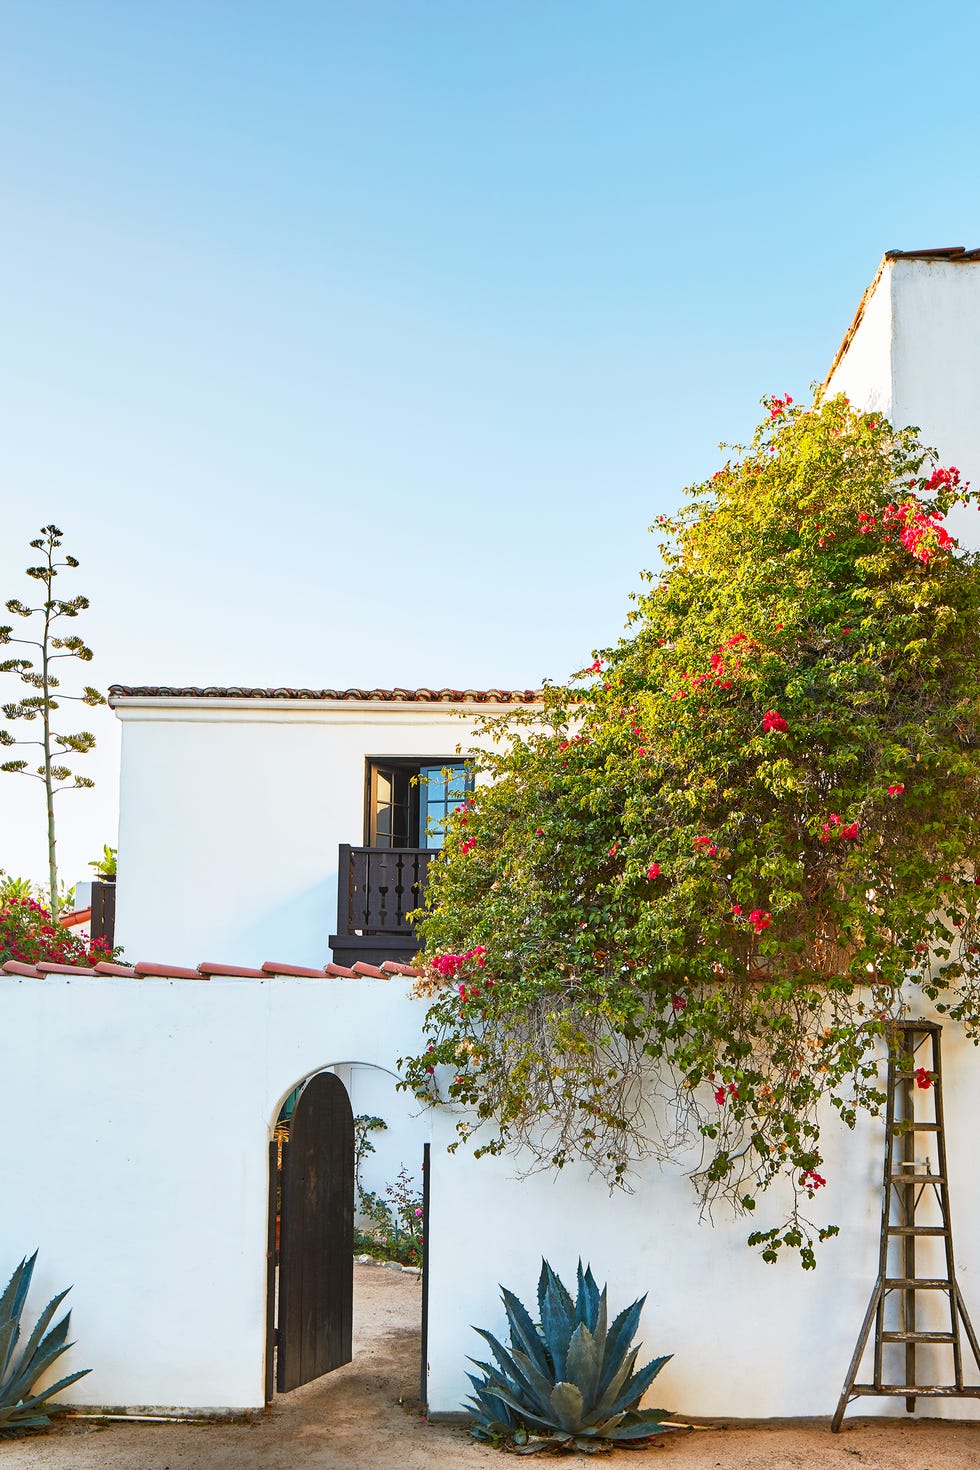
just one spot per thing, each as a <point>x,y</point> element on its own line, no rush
<point>359,343</point>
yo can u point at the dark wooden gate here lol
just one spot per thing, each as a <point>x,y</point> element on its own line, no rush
<point>316,1250</point>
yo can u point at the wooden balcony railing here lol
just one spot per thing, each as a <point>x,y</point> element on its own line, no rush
<point>378,887</point>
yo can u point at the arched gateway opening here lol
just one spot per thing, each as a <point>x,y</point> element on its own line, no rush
<point>313,1211</point>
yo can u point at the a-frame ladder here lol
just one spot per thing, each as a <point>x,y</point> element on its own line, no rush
<point>915,1207</point>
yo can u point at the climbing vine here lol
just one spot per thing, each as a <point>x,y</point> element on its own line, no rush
<point>689,893</point>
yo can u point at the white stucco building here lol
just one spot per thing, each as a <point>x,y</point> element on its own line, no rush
<point>913,351</point>
<point>237,807</point>
<point>245,816</point>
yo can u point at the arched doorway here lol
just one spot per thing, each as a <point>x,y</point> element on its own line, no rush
<point>311,1231</point>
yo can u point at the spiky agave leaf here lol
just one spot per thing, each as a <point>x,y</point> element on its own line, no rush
<point>557,1317</point>
<point>44,1346</point>
<point>587,1298</point>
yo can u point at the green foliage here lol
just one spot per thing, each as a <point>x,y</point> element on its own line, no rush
<point>105,866</point>
<point>569,1378</point>
<point>20,1408</point>
<point>394,1219</point>
<point>46,696</point>
<point>677,913</point>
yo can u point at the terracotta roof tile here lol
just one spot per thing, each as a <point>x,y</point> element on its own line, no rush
<point>955,253</point>
<point>272,967</point>
<point>207,968</point>
<point>119,692</point>
<point>47,968</point>
<point>151,969</point>
<point>171,972</point>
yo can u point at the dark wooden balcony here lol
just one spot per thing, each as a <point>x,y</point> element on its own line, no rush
<point>377,888</point>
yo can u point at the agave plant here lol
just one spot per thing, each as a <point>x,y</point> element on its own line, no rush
<point>569,1380</point>
<point>19,1408</point>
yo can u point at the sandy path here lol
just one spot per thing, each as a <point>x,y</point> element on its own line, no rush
<point>366,1417</point>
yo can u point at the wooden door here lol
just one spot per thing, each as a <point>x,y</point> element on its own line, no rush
<point>316,1254</point>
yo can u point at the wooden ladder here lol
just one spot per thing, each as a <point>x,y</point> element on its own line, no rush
<point>907,1181</point>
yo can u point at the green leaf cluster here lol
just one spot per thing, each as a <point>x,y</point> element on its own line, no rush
<point>708,874</point>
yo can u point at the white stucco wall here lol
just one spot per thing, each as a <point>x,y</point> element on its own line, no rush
<point>749,1340</point>
<point>232,812</point>
<point>915,354</point>
<point>146,1108</point>
<point>863,371</point>
<point>143,1110</point>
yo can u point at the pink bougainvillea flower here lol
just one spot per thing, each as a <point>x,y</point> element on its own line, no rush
<point>896,790</point>
<point>720,1096</point>
<point>812,1180</point>
<point>737,910</point>
<point>678,1002</point>
<point>653,871</point>
<point>760,919</point>
<point>614,849</point>
<point>705,845</point>
<point>596,668</point>
<point>773,720</point>
<point>923,1078</point>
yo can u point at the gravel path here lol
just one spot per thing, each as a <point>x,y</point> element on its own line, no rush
<point>366,1417</point>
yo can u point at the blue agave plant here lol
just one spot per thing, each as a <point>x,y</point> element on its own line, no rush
<point>568,1380</point>
<point>19,1407</point>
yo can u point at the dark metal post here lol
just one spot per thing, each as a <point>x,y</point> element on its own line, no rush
<point>426,1187</point>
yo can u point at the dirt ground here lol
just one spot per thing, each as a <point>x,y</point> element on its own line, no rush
<point>367,1417</point>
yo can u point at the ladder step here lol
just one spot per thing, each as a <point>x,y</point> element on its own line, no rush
<point>919,1179</point>
<point>918,1230</point>
<point>910,1126</point>
<point>916,1283</point>
<point>910,1390</point>
<point>918,1337</point>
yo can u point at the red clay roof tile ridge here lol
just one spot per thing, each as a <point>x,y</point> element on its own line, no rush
<point>395,696</point>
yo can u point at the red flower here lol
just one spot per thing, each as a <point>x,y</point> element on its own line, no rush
<point>705,845</point>
<point>896,790</point>
<point>737,910</point>
<point>720,1095</point>
<point>773,720</point>
<point>812,1180</point>
<point>760,919</point>
<point>923,1078</point>
<point>678,1002</point>
<point>653,871</point>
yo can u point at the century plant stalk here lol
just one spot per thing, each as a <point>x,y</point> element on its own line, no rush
<point>47,697</point>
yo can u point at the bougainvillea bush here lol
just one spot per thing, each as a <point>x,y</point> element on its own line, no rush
<point>681,908</point>
<point>29,934</point>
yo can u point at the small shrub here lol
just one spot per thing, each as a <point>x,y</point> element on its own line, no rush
<point>395,1221</point>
